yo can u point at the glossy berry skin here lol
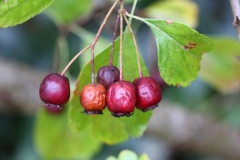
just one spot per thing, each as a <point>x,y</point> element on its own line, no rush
<point>107,75</point>
<point>148,93</point>
<point>93,98</point>
<point>121,98</point>
<point>54,90</point>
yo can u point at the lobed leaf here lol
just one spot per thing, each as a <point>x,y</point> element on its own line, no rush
<point>18,11</point>
<point>179,50</point>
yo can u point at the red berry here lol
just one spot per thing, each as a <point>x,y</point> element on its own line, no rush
<point>107,75</point>
<point>148,93</point>
<point>54,90</point>
<point>93,98</point>
<point>121,98</point>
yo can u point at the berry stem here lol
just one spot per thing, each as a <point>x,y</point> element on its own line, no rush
<point>113,40</point>
<point>135,45</point>
<point>97,36</point>
<point>103,23</point>
<point>92,59</point>
<point>74,58</point>
<point>92,45</point>
<point>121,39</point>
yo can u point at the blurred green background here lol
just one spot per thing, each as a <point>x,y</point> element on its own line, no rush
<point>44,44</point>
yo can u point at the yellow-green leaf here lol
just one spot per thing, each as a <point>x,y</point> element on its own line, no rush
<point>220,68</point>
<point>183,11</point>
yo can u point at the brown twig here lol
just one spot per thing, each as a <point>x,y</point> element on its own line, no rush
<point>170,122</point>
<point>235,4</point>
<point>186,131</point>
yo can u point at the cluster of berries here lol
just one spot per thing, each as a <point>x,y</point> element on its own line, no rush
<point>120,96</point>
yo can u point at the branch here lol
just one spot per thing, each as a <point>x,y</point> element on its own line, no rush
<point>185,130</point>
<point>235,4</point>
<point>19,85</point>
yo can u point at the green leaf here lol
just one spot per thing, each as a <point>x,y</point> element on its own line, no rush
<point>105,127</point>
<point>182,11</point>
<point>113,130</point>
<point>179,50</point>
<point>128,155</point>
<point>54,139</point>
<point>71,9</point>
<point>220,67</point>
<point>18,11</point>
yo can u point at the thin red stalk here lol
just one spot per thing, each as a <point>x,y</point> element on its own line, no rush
<point>92,54</point>
<point>121,41</point>
<point>98,34</point>
<point>135,45</point>
<point>74,58</point>
<point>113,41</point>
<point>104,22</point>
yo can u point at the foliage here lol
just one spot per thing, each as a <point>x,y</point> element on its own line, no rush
<point>220,67</point>
<point>182,11</point>
<point>71,10</point>
<point>54,139</point>
<point>105,127</point>
<point>179,50</point>
<point>179,53</point>
<point>16,12</point>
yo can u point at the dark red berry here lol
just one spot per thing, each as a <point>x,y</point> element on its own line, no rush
<point>121,98</point>
<point>107,75</point>
<point>93,98</point>
<point>148,93</point>
<point>54,90</point>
